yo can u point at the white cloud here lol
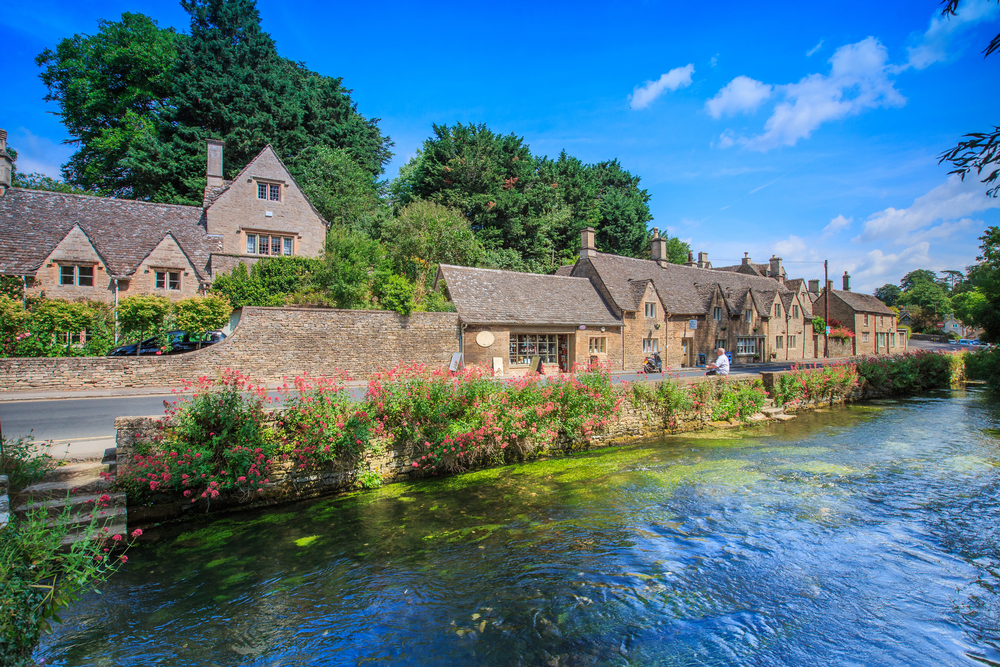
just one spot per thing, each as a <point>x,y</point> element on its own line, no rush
<point>837,224</point>
<point>951,201</point>
<point>726,139</point>
<point>934,43</point>
<point>858,80</point>
<point>793,246</point>
<point>741,95</point>
<point>679,77</point>
<point>814,49</point>
<point>876,268</point>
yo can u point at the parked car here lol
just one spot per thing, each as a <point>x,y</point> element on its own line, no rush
<point>179,342</point>
<point>965,341</point>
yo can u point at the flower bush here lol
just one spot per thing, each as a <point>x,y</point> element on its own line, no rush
<point>905,373</point>
<point>737,400</point>
<point>39,576</point>
<point>320,425</point>
<point>216,440</point>
<point>983,364</point>
<point>813,383</point>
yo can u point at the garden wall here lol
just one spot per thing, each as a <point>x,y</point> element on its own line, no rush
<point>268,344</point>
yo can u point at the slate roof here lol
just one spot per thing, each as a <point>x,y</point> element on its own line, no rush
<point>865,303</point>
<point>565,270</point>
<point>124,232</point>
<point>490,296</point>
<point>678,286</point>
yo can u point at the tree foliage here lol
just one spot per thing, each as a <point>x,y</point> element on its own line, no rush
<point>141,101</point>
<point>978,151</point>
<point>888,294</point>
<point>197,315</point>
<point>143,315</point>
<point>269,283</point>
<point>344,192</point>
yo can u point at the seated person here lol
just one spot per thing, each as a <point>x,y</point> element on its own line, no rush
<point>721,365</point>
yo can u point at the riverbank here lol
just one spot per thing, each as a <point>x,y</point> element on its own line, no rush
<point>222,448</point>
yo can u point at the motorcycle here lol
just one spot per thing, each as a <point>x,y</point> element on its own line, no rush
<point>652,364</point>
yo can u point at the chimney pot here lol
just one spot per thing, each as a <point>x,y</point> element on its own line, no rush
<point>746,259</point>
<point>214,168</point>
<point>775,268</point>
<point>847,282</point>
<point>703,260</point>
<point>6,164</point>
<point>588,247</point>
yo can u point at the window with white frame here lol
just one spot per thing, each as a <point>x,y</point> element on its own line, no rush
<point>791,342</point>
<point>866,319</point>
<point>779,342</point>
<point>525,346</point>
<point>268,244</point>
<point>864,337</point>
<point>269,191</point>
<point>795,311</point>
<point>650,345</point>
<point>746,346</point>
<point>168,280</point>
<point>650,309</point>
<point>599,345</point>
<point>72,274</point>
<point>717,313</point>
<point>748,315</point>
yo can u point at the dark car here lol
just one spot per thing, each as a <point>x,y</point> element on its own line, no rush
<point>179,342</point>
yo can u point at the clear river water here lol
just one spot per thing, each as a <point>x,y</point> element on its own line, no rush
<point>862,535</point>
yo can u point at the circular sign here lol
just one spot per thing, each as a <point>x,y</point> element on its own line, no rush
<point>484,339</point>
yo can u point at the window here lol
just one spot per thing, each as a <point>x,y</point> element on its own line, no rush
<point>718,344</point>
<point>275,192</point>
<point>746,346</point>
<point>70,274</point>
<point>795,311</point>
<point>779,343</point>
<point>72,338</point>
<point>748,316</point>
<point>892,340</point>
<point>881,320</point>
<point>262,191</point>
<point>650,345</point>
<point>264,244</point>
<point>525,346</point>
<point>269,191</point>
<point>168,280</point>
<point>600,345</point>
<point>717,313</point>
<point>791,342</point>
<point>777,310</point>
<point>866,319</point>
<point>864,337</point>
<point>650,309</point>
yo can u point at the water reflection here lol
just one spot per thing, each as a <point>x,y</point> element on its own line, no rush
<point>863,535</point>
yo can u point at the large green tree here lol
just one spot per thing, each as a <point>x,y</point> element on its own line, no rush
<point>888,294</point>
<point>141,102</point>
<point>111,88</point>
<point>344,192</point>
<point>987,276</point>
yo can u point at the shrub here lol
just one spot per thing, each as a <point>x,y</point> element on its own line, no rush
<point>39,576</point>
<point>198,315</point>
<point>216,440</point>
<point>23,461</point>
<point>321,425</point>
<point>984,364</point>
<point>905,373</point>
<point>737,400</point>
<point>815,383</point>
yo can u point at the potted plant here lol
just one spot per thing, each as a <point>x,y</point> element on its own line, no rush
<point>756,357</point>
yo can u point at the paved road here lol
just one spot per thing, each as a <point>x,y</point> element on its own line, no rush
<point>84,427</point>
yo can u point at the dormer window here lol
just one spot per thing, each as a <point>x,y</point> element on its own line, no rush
<point>269,191</point>
<point>71,274</point>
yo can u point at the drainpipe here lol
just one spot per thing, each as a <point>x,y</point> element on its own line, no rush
<point>24,290</point>
<point>116,311</point>
<point>461,341</point>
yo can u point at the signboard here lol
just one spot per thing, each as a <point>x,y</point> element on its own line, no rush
<point>828,330</point>
<point>456,361</point>
<point>498,365</point>
<point>940,325</point>
<point>692,324</point>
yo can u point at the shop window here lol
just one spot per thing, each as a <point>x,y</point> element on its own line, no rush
<point>525,346</point>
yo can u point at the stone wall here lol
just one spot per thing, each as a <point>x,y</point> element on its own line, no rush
<point>268,344</point>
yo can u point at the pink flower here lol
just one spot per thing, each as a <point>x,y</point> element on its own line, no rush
<point>124,559</point>
<point>116,538</point>
<point>137,532</point>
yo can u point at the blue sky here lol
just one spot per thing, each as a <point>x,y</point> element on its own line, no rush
<point>807,131</point>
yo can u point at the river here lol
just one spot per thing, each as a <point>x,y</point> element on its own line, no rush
<point>861,535</point>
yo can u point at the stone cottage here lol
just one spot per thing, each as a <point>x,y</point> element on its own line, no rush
<point>872,322</point>
<point>79,246</point>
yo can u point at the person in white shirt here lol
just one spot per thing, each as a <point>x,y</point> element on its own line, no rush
<point>721,365</point>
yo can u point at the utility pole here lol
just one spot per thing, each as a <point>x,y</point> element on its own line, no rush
<point>826,309</point>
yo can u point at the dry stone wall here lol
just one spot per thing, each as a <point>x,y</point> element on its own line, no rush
<point>268,344</point>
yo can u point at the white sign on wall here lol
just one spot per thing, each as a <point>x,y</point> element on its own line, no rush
<point>692,324</point>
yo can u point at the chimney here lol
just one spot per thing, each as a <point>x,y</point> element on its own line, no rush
<point>829,286</point>
<point>6,164</point>
<point>659,247</point>
<point>690,261</point>
<point>847,282</point>
<point>214,171</point>
<point>587,246</point>
<point>703,260</point>
<point>746,259</point>
<point>814,286</point>
<point>775,268</point>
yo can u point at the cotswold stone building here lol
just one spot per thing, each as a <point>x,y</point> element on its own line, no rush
<point>871,321</point>
<point>619,310</point>
<point>80,246</point>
